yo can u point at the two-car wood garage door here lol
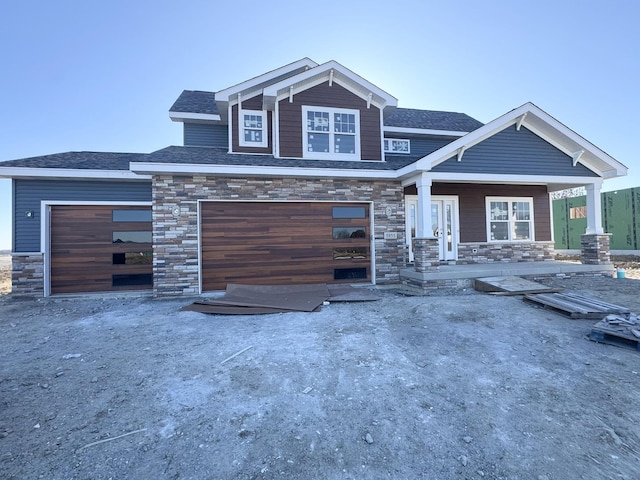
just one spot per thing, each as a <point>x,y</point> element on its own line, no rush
<point>284,243</point>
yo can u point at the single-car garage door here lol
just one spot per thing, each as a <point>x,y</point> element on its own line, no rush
<point>100,248</point>
<point>284,242</point>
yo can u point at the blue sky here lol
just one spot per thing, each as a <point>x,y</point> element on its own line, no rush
<point>101,76</point>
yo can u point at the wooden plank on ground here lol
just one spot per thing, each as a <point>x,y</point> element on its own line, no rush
<point>576,306</point>
<point>510,285</point>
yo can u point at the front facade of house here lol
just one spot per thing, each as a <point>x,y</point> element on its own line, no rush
<point>306,174</point>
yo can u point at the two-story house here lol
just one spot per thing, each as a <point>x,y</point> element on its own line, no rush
<point>305,174</point>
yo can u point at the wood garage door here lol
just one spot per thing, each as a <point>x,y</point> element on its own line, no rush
<point>100,248</point>
<point>275,243</point>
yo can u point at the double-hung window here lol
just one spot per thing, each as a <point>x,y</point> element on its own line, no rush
<point>509,219</point>
<point>253,128</point>
<point>332,133</point>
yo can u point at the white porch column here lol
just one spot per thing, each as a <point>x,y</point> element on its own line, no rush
<point>423,229</point>
<point>594,208</point>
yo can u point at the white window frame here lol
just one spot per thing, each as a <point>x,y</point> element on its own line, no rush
<point>510,220</point>
<point>389,141</point>
<point>331,155</point>
<point>241,128</point>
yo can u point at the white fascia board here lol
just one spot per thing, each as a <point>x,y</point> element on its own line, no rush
<point>256,171</point>
<point>324,70</point>
<point>22,172</point>
<point>182,116</point>
<point>224,95</point>
<point>424,131</point>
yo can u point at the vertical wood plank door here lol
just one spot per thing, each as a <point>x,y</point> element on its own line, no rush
<point>100,248</point>
<point>275,243</point>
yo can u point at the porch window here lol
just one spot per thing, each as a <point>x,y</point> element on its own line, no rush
<point>330,133</point>
<point>253,128</point>
<point>509,219</point>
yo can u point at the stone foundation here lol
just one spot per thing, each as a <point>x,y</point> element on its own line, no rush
<point>27,274</point>
<point>470,253</point>
<point>595,249</point>
<point>426,253</point>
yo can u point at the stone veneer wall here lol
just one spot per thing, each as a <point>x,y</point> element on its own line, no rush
<point>27,274</point>
<point>504,252</point>
<point>175,236</point>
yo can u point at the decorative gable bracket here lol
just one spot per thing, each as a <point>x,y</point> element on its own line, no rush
<point>577,156</point>
<point>520,120</point>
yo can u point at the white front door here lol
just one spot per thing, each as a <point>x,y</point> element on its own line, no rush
<point>444,224</point>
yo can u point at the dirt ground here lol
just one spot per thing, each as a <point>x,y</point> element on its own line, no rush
<point>447,386</point>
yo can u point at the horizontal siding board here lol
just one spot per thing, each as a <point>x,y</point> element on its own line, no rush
<point>29,193</point>
<point>515,152</point>
<point>203,135</point>
<point>472,205</point>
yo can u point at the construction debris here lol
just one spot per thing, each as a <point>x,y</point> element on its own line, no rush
<point>577,306</point>
<point>260,299</point>
<point>618,330</point>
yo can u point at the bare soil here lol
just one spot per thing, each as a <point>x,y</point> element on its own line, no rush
<point>446,386</point>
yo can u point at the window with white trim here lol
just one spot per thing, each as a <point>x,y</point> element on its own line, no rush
<point>397,145</point>
<point>253,128</point>
<point>332,133</point>
<point>509,219</point>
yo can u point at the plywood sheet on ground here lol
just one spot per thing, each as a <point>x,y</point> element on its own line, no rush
<point>262,299</point>
<point>510,285</point>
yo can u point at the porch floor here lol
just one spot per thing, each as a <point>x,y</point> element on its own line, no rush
<point>500,269</point>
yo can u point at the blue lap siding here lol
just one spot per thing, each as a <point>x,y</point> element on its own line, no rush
<point>515,152</point>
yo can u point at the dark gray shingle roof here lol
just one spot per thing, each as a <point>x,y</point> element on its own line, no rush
<point>195,101</point>
<point>432,120</point>
<point>220,156</point>
<point>195,155</point>
<point>78,160</point>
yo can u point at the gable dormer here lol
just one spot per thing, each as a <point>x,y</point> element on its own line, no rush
<point>306,110</point>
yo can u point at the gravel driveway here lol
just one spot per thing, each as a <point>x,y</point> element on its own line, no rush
<point>447,387</point>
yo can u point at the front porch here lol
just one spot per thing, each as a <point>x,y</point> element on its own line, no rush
<point>462,276</point>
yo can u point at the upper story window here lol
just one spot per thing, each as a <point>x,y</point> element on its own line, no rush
<point>332,133</point>
<point>509,219</point>
<point>397,145</point>
<point>253,128</point>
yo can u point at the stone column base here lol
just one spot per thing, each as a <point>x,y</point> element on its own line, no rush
<point>595,249</point>
<point>426,254</point>
<point>27,274</point>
